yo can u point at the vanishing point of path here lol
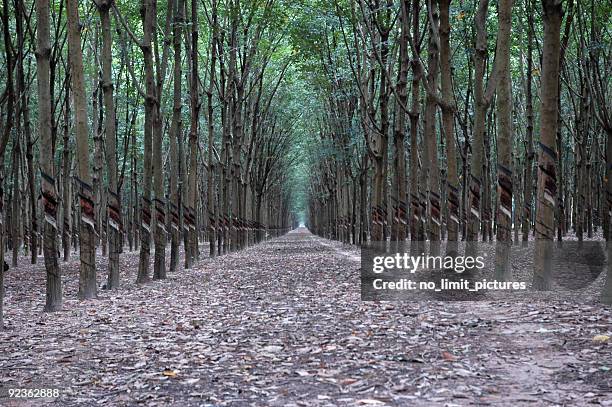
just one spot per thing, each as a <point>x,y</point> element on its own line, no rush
<point>283,324</point>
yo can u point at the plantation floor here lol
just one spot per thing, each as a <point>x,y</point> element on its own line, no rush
<point>282,323</point>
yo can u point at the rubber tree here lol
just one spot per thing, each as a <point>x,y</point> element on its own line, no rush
<point>176,128</point>
<point>114,198</point>
<point>47,164</point>
<point>87,276</point>
<point>547,157</point>
<point>448,119</point>
<point>504,142</point>
<point>482,100</point>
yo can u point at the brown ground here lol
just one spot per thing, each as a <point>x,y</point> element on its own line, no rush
<point>282,323</point>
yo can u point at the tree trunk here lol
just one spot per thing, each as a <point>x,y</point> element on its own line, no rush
<point>175,130</point>
<point>606,295</point>
<point>191,248</point>
<point>528,177</point>
<point>547,179</point>
<point>24,112</point>
<point>378,147</point>
<point>504,143</point>
<point>213,218</point>
<point>148,17</point>
<point>114,197</point>
<point>87,278</point>
<point>480,112</point>
<point>430,134</point>
<point>49,194</point>
<point>15,226</point>
<point>31,189</point>
<point>67,185</point>
<point>400,206</point>
<point>159,263</point>
<point>416,219</point>
<point>448,110</point>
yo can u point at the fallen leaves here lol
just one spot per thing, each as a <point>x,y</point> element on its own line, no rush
<point>370,402</point>
<point>283,323</point>
<point>449,357</point>
<point>169,373</point>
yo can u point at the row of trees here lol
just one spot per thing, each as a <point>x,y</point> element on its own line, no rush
<point>89,166</point>
<point>463,120</point>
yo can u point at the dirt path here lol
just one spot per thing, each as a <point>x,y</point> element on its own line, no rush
<point>282,323</point>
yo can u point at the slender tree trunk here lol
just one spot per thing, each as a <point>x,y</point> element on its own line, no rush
<point>363,198</point>
<point>67,185</point>
<point>31,189</point>
<point>87,278</point>
<point>24,113</point>
<point>213,218</point>
<point>49,193</point>
<point>15,226</point>
<point>136,225</point>
<point>504,142</point>
<point>5,134</point>
<point>400,206</point>
<point>193,143</point>
<point>96,175</point>
<point>448,110</point>
<point>606,295</point>
<point>379,208</point>
<point>114,198</point>
<point>416,219</point>
<point>430,134</point>
<point>481,104</point>
<point>547,179</point>
<point>175,130</point>
<point>528,183</point>
<point>148,16</point>
<point>159,264</point>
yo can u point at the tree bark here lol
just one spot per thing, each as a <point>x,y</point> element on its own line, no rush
<point>547,178</point>
<point>67,185</point>
<point>528,177</point>
<point>148,17</point>
<point>114,197</point>
<point>416,220</point>
<point>214,232</point>
<point>504,143</point>
<point>159,263</point>
<point>191,252</point>
<point>400,206</point>
<point>482,99</point>
<point>448,110</point>
<point>47,167</point>
<point>606,295</point>
<point>87,277</point>
<point>175,129</point>
<point>429,131</point>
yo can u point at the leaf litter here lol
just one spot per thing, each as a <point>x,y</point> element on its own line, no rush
<point>282,323</point>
